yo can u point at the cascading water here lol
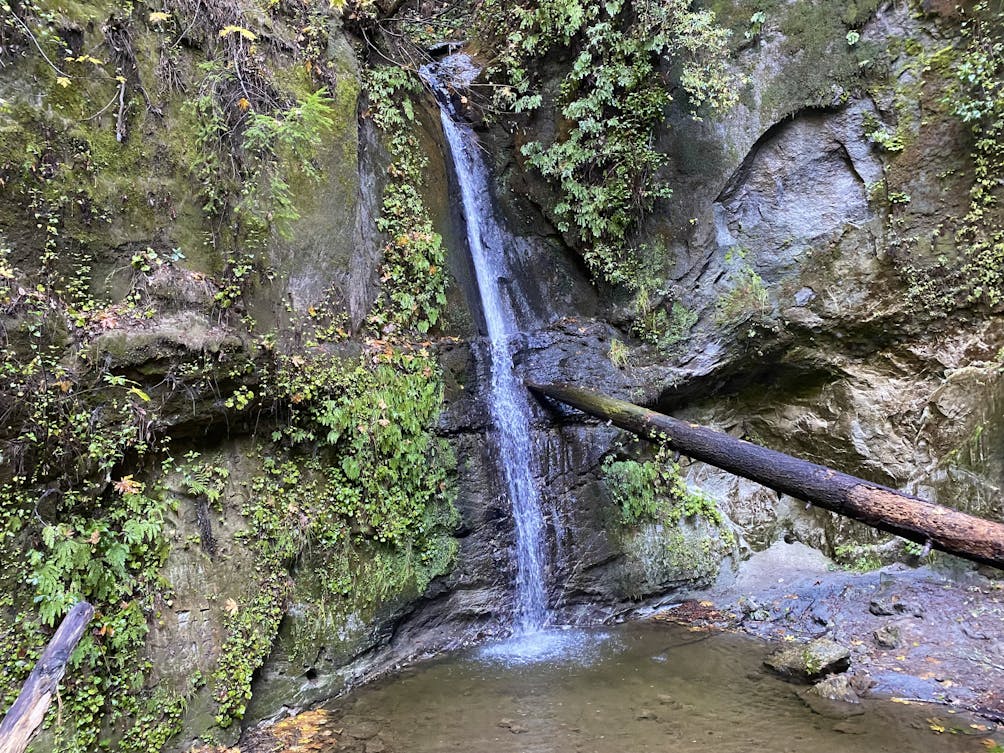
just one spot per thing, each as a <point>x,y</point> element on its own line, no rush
<point>508,398</point>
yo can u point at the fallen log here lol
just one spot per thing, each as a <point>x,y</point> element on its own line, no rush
<point>926,523</point>
<point>28,711</point>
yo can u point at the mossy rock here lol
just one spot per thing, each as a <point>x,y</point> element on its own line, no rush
<point>810,662</point>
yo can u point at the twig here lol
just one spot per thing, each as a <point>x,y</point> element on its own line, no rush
<point>103,109</point>
<point>379,52</point>
<point>150,106</point>
<point>183,34</point>
<point>120,128</point>
<point>32,37</point>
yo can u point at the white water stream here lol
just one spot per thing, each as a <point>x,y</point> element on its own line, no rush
<point>508,397</point>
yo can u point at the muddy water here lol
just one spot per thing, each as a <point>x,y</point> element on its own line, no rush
<point>635,689</point>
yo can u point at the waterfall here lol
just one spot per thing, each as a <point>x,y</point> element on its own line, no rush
<point>510,408</point>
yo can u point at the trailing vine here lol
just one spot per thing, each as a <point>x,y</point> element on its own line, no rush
<point>602,161</point>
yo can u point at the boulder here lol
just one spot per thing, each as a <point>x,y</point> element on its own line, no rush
<point>811,661</point>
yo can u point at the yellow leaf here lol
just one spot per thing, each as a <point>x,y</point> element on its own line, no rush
<point>140,394</point>
<point>249,35</point>
<point>243,104</point>
<point>63,81</point>
<point>159,16</point>
<point>230,606</point>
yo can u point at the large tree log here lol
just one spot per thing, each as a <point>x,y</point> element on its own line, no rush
<point>943,528</point>
<point>29,709</point>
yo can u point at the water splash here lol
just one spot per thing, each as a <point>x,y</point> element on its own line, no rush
<point>508,398</point>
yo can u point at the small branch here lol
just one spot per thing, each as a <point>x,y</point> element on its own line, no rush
<point>103,109</point>
<point>120,127</point>
<point>41,51</point>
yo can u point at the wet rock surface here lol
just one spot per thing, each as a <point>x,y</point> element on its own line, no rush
<point>950,651</point>
<point>811,661</point>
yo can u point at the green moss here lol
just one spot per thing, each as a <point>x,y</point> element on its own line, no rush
<point>655,491</point>
<point>823,66</point>
<point>87,216</point>
<point>357,478</point>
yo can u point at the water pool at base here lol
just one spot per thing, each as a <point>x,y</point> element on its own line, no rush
<point>632,689</point>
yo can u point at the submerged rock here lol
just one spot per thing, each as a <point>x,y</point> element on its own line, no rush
<point>847,688</point>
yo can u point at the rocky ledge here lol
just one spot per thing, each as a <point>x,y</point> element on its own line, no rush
<point>912,634</point>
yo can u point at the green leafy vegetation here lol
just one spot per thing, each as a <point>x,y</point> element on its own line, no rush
<point>247,163</point>
<point>602,162</point>
<point>351,473</point>
<point>960,262</point>
<point>355,475</point>
<point>978,101</point>
<point>71,441</point>
<point>413,272</point>
<point>655,491</point>
<point>747,298</point>
<point>861,559</point>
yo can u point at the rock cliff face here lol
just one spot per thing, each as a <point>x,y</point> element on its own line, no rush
<point>795,248</point>
<point>789,307</point>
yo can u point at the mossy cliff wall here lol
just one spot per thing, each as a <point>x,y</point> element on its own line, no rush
<point>205,433</point>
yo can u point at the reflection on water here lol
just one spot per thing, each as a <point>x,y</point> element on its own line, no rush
<point>634,689</point>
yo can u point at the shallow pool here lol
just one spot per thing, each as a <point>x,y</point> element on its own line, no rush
<point>632,689</point>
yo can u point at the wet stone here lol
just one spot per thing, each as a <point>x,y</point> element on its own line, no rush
<point>811,661</point>
<point>821,615</point>
<point>887,636</point>
<point>893,606</point>
<point>881,608</point>
<point>515,727</point>
<point>841,688</point>
<point>975,634</point>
